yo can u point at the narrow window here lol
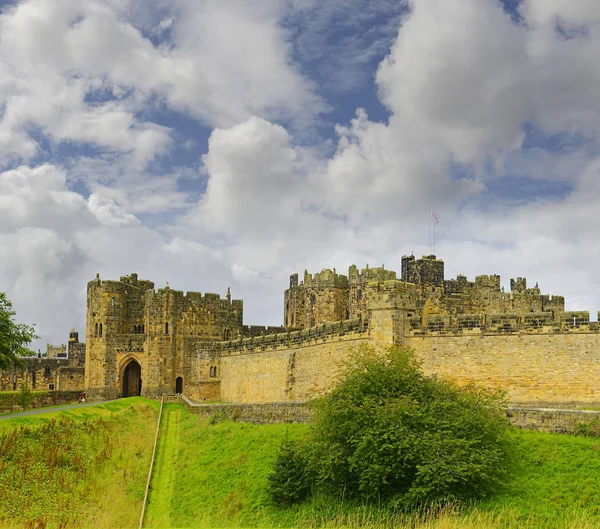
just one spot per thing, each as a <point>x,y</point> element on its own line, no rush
<point>96,332</point>
<point>211,372</point>
<point>51,385</point>
<point>215,371</point>
<point>33,377</point>
<point>100,329</point>
<point>143,329</point>
<point>167,328</point>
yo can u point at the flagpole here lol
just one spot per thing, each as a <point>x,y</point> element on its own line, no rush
<point>431,230</point>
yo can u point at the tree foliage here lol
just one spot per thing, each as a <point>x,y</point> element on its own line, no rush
<point>14,337</point>
<point>389,433</point>
<point>289,482</point>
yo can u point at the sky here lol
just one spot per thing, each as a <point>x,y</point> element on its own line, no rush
<point>226,143</point>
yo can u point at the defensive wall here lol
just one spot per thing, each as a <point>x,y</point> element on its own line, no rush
<point>155,342</point>
<point>536,358</point>
<point>290,366</point>
<point>553,420</point>
<point>60,369</point>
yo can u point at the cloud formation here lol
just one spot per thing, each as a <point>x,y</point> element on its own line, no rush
<point>482,104</point>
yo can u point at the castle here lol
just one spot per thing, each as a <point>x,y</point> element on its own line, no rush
<point>142,340</point>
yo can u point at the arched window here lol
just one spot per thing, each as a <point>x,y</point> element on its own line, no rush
<point>100,329</point>
<point>210,369</point>
<point>96,331</point>
<point>167,328</point>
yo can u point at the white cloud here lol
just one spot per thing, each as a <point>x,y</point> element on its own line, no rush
<point>80,71</point>
<point>461,81</point>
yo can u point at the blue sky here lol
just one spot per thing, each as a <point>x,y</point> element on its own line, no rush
<point>216,144</point>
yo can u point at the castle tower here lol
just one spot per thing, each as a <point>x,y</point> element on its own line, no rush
<point>427,273</point>
<point>389,305</point>
<point>321,298</point>
<point>139,340</point>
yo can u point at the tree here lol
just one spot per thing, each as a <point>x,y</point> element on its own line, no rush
<point>289,482</point>
<point>389,433</point>
<point>13,336</point>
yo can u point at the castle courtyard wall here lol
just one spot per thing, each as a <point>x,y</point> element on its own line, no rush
<point>557,368</point>
<point>297,373</point>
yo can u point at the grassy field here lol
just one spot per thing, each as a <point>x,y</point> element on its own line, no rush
<point>215,476</point>
<point>84,467</point>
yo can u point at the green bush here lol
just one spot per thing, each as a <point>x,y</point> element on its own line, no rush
<point>389,433</point>
<point>588,429</point>
<point>24,397</point>
<point>289,483</point>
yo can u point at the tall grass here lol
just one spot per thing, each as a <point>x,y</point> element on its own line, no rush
<point>76,469</point>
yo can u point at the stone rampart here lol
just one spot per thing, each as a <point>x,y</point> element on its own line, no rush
<point>274,368</point>
<point>550,420</point>
<point>286,340</point>
<point>271,413</point>
<point>502,323</point>
<point>557,367</point>
<point>41,399</point>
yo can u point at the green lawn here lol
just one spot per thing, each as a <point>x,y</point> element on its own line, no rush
<point>90,471</point>
<point>215,476</point>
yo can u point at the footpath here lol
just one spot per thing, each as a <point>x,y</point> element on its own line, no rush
<point>50,409</point>
<point>163,477</point>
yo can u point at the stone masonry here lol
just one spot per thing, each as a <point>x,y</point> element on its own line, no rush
<point>61,369</point>
<point>142,340</point>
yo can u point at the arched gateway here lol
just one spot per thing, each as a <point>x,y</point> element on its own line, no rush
<point>131,381</point>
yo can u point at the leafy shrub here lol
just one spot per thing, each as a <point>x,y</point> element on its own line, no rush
<point>588,429</point>
<point>25,397</point>
<point>389,433</point>
<point>217,417</point>
<point>289,483</point>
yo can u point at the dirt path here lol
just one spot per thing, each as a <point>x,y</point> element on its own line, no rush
<point>50,409</point>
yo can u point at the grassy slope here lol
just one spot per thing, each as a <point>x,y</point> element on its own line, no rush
<point>216,477</point>
<point>112,492</point>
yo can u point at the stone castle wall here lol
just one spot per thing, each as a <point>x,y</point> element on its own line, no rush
<point>533,368</point>
<point>63,369</point>
<point>522,341</point>
<point>550,420</point>
<point>275,368</point>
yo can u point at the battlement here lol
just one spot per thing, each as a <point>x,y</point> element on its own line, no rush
<point>518,285</point>
<point>326,278</point>
<point>370,274</point>
<point>503,323</point>
<point>488,282</point>
<point>261,330</point>
<point>285,340</point>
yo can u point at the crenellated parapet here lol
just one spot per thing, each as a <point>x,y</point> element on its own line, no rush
<point>502,323</point>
